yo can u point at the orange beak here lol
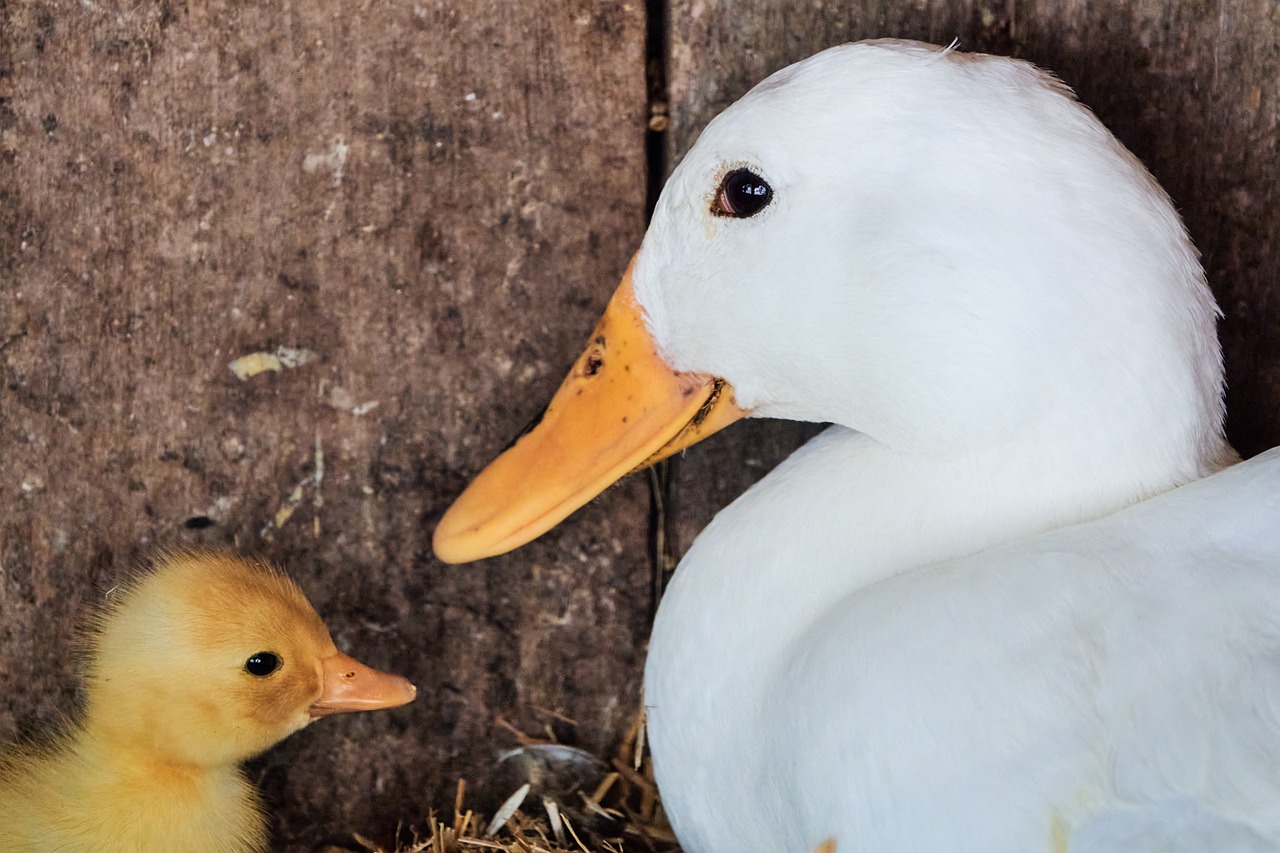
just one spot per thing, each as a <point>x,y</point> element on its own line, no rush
<point>349,685</point>
<point>620,409</point>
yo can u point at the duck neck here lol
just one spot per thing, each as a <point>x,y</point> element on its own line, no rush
<point>845,512</point>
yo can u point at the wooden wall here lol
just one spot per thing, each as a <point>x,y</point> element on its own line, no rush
<point>435,199</point>
<point>430,200</point>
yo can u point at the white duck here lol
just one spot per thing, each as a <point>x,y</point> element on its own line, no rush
<point>950,259</point>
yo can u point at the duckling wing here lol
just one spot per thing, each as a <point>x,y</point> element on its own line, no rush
<point>1109,686</point>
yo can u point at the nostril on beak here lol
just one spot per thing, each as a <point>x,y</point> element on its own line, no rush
<point>591,366</point>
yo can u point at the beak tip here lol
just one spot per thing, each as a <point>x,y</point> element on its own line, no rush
<point>400,691</point>
<point>450,546</point>
<point>445,545</point>
<point>452,541</point>
<point>463,537</point>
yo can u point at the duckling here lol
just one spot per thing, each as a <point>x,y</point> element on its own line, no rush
<point>191,669</point>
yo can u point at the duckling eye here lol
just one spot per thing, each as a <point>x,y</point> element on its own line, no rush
<point>742,193</point>
<point>262,664</point>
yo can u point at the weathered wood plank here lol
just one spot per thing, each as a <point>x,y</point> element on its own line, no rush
<point>435,198</point>
<point>1188,86</point>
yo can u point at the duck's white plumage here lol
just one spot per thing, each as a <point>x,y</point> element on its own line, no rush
<point>1001,313</point>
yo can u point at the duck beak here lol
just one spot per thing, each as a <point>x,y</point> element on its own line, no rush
<point>620,409</point>
<point>349,685</point>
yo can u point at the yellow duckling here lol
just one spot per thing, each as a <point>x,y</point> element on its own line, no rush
<point>191,669</point>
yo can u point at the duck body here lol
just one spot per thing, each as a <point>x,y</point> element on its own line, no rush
<point>192,668</point>
<point>1080,690</point>
<point>1001,605</point>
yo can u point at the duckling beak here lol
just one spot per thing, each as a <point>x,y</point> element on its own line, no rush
<point>349,685</point>
<point>620,409</point>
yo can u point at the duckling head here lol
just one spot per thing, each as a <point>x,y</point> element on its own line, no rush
<point>212,658</point>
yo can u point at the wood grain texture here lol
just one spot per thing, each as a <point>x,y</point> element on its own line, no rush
<point>1188,86</point>
<point>434,198</point>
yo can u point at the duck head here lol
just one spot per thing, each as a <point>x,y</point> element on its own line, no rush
<point>212,658</point>
<point>945,252</point>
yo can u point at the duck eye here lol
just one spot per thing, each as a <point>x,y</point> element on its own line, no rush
<point>262,664</point>
<point>742,193</point>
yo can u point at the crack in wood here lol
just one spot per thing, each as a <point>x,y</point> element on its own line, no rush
<point>663,543</point>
